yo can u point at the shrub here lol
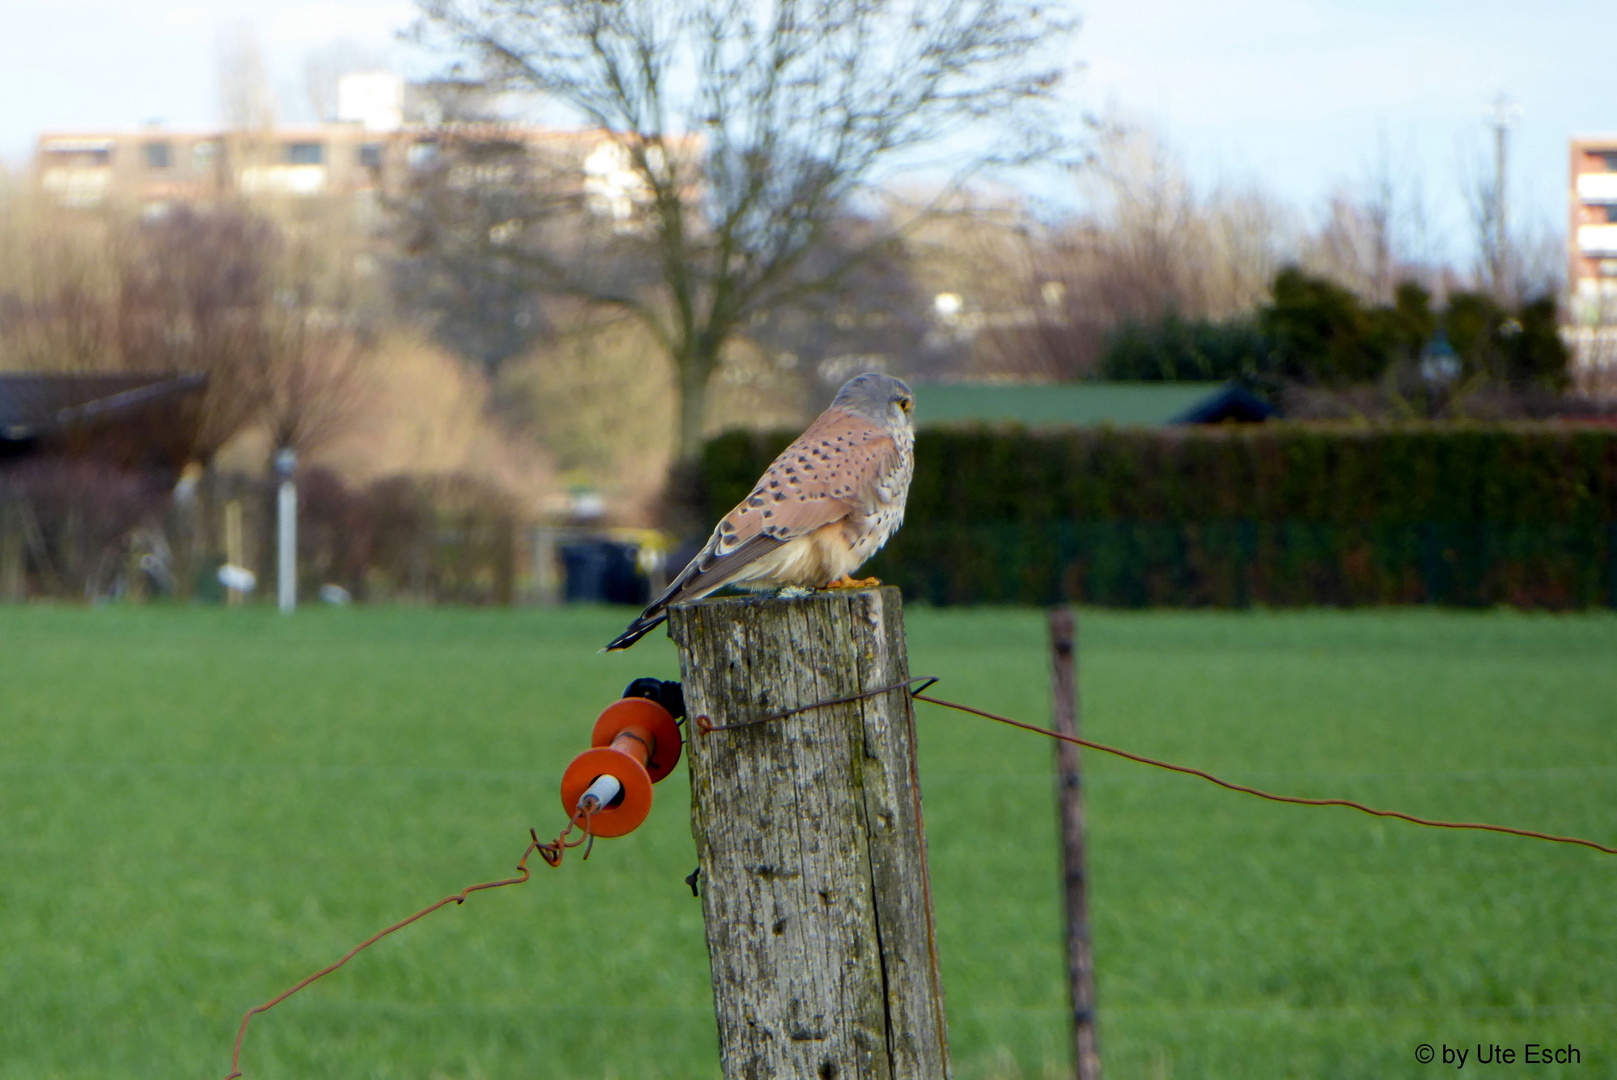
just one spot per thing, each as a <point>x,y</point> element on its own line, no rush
<point>1281,514</point>
<point>1174,349</point>
<point>71,523</point>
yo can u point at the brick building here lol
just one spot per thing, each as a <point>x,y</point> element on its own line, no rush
<point>1592,273</point>
<point>1592,264</point>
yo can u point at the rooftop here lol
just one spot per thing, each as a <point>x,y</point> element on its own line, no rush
<point>34,405</point>
<point>1137,404</point>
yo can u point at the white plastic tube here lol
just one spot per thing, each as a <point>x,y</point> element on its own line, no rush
<point>603,791</point>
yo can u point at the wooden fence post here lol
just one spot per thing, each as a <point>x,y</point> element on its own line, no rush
<point>1070,806</point>
<point>13,588</point>
<point>812,846</point>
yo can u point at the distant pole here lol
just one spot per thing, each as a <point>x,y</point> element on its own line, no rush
<point>543,543</point>
<point>813,851</point>
<point>286,463</point>
<point>1070,805</point>
<point>12,578</point>
<point>1502,115</point>
<point>233,546</point>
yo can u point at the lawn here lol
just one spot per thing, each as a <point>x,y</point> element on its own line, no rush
<point>201,806</point>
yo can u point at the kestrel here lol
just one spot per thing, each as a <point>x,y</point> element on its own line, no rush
<point>827,504</point>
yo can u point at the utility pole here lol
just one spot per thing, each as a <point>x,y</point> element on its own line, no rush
<point>1501,116</point>
<point>808,827</point>
<point>1070,810</point>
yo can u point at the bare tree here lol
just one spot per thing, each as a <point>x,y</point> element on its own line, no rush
<point>1483,183</point>
<point>196,294</point>
<point>276,319</point>
<point>1352,244</point>
<point>324,68</point>
<point>246,102</point>
<point>1149,246</point>
<point>1375,231</point>
<point>1538,261</point>
<point>742,131</point>
<point>57,285</point>
<point>1150,207</point>
<point>454,262</point>
<point>1250,236</point>
<point>312,387</point>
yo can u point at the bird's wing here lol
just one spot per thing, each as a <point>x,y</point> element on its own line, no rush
<point>813,483</point>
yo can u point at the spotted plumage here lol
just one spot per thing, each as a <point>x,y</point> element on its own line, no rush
<point>825,506</point>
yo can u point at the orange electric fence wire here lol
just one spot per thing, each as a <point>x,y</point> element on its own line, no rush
<point>551,852</point>
<point>1295,800</point>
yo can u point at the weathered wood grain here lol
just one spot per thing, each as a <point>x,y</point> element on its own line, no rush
<point>1070,812</point>
<point>811,840</point>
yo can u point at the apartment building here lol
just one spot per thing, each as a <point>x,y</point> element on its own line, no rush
<point>384,131</point>
<point>1592,274</point>
<point>155,166</point>
<point>1592,267</point>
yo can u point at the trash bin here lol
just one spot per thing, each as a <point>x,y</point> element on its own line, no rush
<point>601,571</point>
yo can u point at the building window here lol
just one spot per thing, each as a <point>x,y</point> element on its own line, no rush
<point>422,154</point>
<point>1609,157</point>
<point>370,155</point>
<point>303,153</point>
<point>77,152</point>
<point>204,155</point>
<point>158,155</point>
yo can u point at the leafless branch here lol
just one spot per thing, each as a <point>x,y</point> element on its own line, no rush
<point>749,130</point>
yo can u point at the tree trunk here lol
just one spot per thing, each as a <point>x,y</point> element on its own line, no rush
<point>695,370</point>
<point>812,846</point>
<point>684,510</point>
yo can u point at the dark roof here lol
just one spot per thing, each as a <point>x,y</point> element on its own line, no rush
<point>1231,403</point>
<point>1145,404</point>
<point>35,405</point>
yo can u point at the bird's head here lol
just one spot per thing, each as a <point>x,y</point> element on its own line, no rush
<point>879,398</point>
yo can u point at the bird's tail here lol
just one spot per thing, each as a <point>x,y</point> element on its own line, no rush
<point>644,624</point>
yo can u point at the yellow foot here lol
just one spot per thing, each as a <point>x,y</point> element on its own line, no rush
<point>846,582</point>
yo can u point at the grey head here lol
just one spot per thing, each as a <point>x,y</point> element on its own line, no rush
<point>879,398</point>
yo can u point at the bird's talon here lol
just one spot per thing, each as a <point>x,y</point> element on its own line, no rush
<point>846,582</point>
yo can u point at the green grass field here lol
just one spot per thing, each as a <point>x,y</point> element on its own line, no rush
<point>198,807</point>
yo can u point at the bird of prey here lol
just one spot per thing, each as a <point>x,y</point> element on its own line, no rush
<point>827,504</point>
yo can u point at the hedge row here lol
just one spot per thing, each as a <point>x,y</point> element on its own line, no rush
<point>1279,514</point>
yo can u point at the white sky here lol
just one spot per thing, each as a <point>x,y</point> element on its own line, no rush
<point>1297,94</point>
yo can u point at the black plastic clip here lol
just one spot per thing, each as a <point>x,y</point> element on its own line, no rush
<point>665,692</point>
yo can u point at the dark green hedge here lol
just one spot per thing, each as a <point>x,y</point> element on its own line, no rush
<point>1279,514</point>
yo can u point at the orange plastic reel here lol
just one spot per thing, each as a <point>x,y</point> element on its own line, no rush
<point>624,813</point>
<point>629,713</point>
<point>637,742</point>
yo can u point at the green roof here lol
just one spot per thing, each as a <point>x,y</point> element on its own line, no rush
<point>1142,404</point>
